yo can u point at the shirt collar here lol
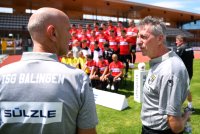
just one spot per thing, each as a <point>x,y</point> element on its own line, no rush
<point>161,58</point>
<point>39,56</point>
<point>181,46</point>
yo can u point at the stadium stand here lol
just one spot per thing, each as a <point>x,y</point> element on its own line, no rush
<point>19,23</point>
<point>171,32</point>
<point>13,22</point>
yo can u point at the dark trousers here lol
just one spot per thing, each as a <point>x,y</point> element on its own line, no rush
<point>146,130</point>
<point>133,55</point>
<point>115,83</point>
<point>94,83</point>
<point>125,59</point>
<point>103,85</point>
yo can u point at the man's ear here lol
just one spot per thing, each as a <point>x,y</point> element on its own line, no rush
<point>51,33</point>
<point>160,39</point>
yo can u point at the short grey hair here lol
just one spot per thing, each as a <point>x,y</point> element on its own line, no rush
<point>158,26</point>
<point>181,38</point>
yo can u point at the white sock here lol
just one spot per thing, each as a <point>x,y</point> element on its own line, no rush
<point>190,104</point>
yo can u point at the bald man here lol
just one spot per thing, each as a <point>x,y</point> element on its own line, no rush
<point>40,95</point>
<point>115,73</point>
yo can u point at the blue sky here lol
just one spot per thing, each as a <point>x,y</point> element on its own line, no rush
<point>184,5</point>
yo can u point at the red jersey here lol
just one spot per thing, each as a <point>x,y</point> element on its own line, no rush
<point>72,39</point>
<point>90,64</point>
<point>106,33</point>
<point>102,65</point>
<point>96,29</point>
<point>73,31</point>
<point>115,68</point>
<point>84,37</point>
<point>102,39</point>
<point>92,42</point>
<point>79,33</point>
<point>88,33</point>
<point>113,43</point>
<point>112,28</point>
<point>132,33</point>
<point>119,29</point>
<point>124,45</point>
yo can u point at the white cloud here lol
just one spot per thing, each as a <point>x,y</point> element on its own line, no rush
<point>183,5</point>
<point>171,4</point>
<point>197,9</point>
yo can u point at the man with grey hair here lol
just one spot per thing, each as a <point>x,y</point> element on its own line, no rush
<point>167,83</point>
<point>40,95</point>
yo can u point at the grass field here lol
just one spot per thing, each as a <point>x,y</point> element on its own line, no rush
<point>128,121</point>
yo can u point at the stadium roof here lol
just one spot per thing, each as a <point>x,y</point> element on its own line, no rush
<point>117,8</point>
<point>173,32</point>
